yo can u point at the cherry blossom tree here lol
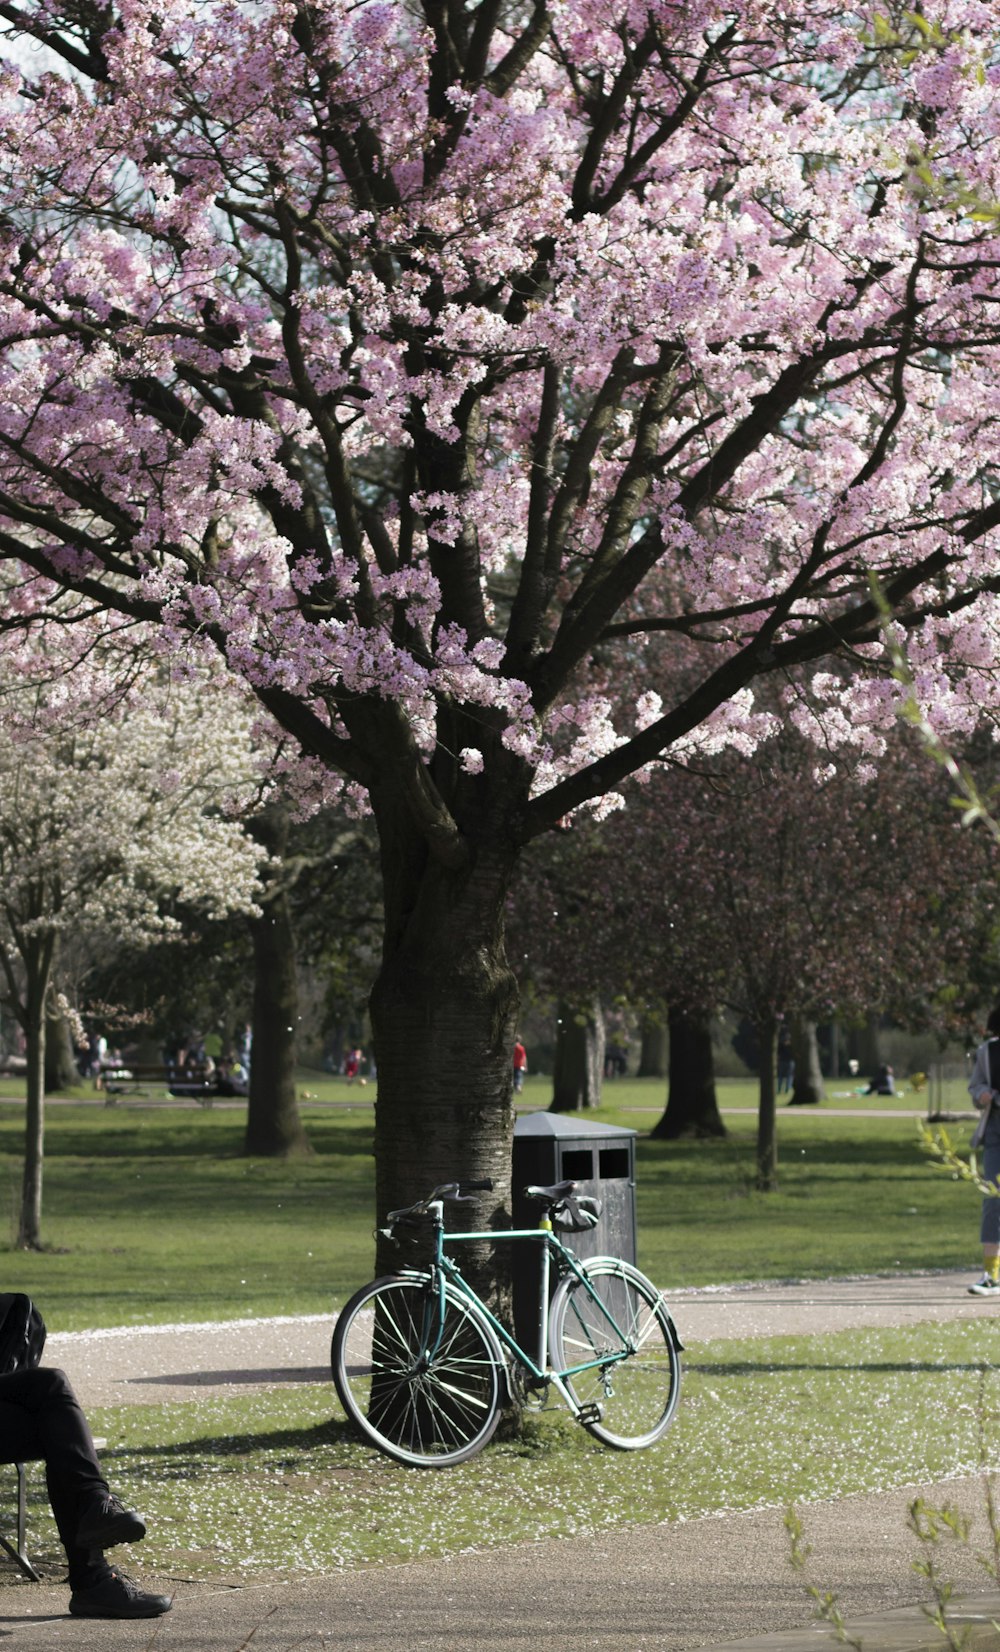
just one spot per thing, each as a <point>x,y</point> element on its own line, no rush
<point>111,804</point>
<point>413,355</point>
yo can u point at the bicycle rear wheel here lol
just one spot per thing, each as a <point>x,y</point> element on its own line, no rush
<point>421,1384</point>
<point>632,1380</point>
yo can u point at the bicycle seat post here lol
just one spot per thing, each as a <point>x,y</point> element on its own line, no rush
<point>545,1226</point>
<point>435,1211</point>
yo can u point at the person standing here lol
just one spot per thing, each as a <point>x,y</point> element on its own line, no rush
<point>520,1066</point>
<point>984,1088</point>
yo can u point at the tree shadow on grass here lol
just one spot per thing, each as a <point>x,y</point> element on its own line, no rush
<point>313,1374</point>
<point>331,1432</point>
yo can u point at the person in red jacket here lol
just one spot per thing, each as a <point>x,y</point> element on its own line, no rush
<point>520,1066</point>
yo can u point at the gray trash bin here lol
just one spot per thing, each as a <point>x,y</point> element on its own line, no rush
<point>556,1147</point>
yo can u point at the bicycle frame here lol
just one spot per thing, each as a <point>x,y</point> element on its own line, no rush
<point>443,1270</point>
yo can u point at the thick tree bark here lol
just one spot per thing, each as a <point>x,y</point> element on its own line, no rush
<point>37,960</point>
<point>274,1127</point>
<point>692,1107</point>
<point>870,1046</point>
<point>578,1070</point>
<point>444,1013</point>
<point>653,1050</point>
<point>61,1072</point>
<point>767,1136</point>
<point>834,1049</point>
<point>807,1086</point>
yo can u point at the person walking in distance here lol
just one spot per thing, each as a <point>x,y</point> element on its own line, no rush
<point>984,1088</point>
<point>520,1066</point>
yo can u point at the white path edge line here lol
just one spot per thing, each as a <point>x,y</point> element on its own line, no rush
<point>116,1332</point>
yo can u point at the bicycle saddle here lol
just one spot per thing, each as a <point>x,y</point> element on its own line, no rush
<point>551,1195</point>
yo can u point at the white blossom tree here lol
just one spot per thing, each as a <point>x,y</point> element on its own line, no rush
<point>107,811</point>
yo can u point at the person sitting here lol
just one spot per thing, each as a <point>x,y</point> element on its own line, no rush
<point>41,1418</point>
<point>883,1084</point>
<point>230,1079</point>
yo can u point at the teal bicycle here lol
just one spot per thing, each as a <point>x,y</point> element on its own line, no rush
<point>424,1369</point>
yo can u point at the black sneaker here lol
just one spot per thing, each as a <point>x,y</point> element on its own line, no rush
<point>116,1596</point>
<point>106,1521</point>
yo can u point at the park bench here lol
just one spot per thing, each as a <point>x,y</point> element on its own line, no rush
<point>137,1078</point>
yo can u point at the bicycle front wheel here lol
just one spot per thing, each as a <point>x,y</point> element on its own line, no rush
<point>616,1332</point>
<point>421,1380</point>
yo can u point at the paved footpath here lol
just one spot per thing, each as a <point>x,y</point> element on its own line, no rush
<point>723,1580</point>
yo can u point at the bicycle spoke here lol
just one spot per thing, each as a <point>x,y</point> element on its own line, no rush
<point>615,1326</point>
<point>416,1372</point>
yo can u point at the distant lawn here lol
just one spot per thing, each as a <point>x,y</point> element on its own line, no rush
<point>854,1197</point>
<point>154,1215</point>
<point>648,1095</point>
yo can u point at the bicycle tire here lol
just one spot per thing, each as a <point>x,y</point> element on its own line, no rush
<point>633,1398</point>
<point>428,1411</point>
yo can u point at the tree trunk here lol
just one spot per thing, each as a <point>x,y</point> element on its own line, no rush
<point>274,1127</point>
<point>61,1072</point>
<point>834,1049</point>
<point>692,1108</point>
<point>578,1069</point>
<point>870,1046</point>
<point>653,1051</point>
<point>807,1086</point>
<point>37,960</point>
<point>444,1014</point>
<point>767,1138</point>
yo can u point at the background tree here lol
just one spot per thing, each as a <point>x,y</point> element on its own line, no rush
<point>100,817</point>
<point>807,1081</point>
<point>408,355</point>
<point>811,874</point>
<point>578,1066</point>
<point>202,975</point>
<point>781,886</point>
<point>591,918</point>
<point>273,1122</point>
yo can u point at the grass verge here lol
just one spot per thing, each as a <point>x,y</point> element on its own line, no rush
<point>274,1486</point>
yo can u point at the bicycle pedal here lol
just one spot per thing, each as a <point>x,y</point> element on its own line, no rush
<point>588,1414</point>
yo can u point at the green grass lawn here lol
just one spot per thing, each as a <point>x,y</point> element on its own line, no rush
<point>154,1214</point>
<point>273,1485</point>
<point>855,1196</point>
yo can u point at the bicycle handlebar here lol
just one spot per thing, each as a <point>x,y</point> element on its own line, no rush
<point>454,1193</point>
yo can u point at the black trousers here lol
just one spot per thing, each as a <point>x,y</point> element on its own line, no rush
<point>41,1418</point>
